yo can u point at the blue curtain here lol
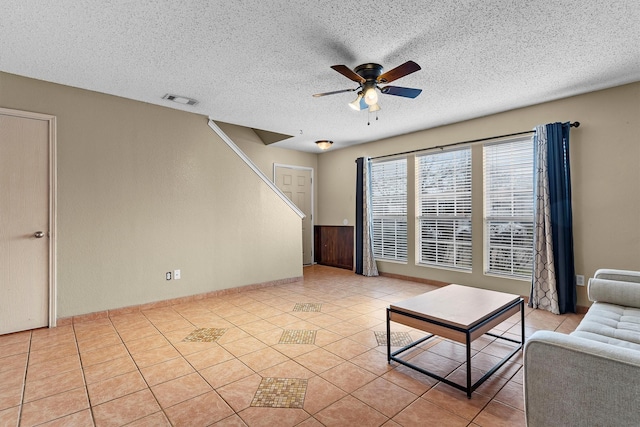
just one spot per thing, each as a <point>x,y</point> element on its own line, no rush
<point>360,165</point>
<point>561,213</point>
<point>553,285</point>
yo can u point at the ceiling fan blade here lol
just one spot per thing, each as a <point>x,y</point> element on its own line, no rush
<point>407,92</point>
<point>400,71</point>
<point>348,73</point>
<point>334,92</point>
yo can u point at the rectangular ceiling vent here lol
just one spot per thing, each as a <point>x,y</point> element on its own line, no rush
<point>180,99</point>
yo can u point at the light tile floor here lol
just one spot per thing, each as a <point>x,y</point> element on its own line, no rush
<point>259,358</point>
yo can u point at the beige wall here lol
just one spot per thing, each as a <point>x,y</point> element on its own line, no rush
<point>143,190</point>
<point>605,162</point>
<point>264,156</point>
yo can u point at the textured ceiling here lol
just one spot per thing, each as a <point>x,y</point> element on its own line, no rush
<point>256,63</point>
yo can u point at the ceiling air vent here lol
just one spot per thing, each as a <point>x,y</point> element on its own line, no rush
<point>180,99</point>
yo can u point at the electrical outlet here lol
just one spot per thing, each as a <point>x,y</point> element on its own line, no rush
<point>580,280</point>
<point>176,274</point>
<point>168,275</point>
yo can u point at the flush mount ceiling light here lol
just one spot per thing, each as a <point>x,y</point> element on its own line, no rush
<point>180,99</point>
<point>324,144</point>
<point>368,76</point>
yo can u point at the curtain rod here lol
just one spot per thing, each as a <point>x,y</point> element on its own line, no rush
<point>573,125</point>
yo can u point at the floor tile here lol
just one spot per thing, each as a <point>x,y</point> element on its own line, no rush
<point>373,361</point>
<point>350,411</point>
<point>82,418</point>
<point>202,410</point>
<point>99,342</point>
<point>319,360</point>
<point>157,419</point>
<point>146,343</point>
<point>180,389</point>
<point>421,410</point>
<point>103,354</point>
<point>320,394</point>
<point>268,417</point>
<point>10,416</point>
<point>346,348</point>
<point>166,371</point>
<point>263,359</point>
<point>243,346</point>
<point>115,387</point>
<point>125,409</point>
<point>385,396</point>
<point>348,377</point>
<point>288,369</point>
<point>109,369</point>
<point>53,407</point>
<point>226,372</point>
<point>496,414</point>
<point>456,401</point>
<point>232,421</point>
<point>54,384</point>
<point>240,394</point>
<point>10,396</point>
<point>512,394</point>
<point>64,364</point>
<point>409,379</point>
<point>208,357</point>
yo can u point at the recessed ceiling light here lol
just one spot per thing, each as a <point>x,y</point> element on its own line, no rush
<point>180,99</point>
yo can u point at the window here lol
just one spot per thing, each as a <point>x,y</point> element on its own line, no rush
<point>389,209</point>
<point>508,207</point>
<point>444,204</point>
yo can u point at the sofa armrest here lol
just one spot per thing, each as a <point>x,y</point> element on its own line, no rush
<point>572,381</point>
<point>616,287</point>
<point>619,275</point>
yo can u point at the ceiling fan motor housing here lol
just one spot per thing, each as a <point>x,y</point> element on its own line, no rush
<point>369,72</point>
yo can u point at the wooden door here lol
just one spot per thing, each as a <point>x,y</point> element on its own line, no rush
<point>295,183</point>
<point>24,222</point>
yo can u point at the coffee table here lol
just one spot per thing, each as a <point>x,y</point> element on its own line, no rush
<point>459,313</point>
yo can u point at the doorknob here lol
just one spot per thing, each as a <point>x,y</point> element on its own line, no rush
<point>39,234</point>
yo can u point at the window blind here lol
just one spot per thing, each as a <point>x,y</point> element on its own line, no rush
<point>508,207</point>
<point>389,209</point>
<point>444,201</point>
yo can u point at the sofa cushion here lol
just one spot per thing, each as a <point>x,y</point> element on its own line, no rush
<point>612,324</point>
<point>606,340</point>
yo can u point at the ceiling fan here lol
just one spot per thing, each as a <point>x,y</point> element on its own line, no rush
<point>368,76</point>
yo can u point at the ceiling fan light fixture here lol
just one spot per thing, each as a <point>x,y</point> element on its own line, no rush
<point>373,108</point>
<point>356,103</point>
<point>371,96</point>
<point>324,144</point>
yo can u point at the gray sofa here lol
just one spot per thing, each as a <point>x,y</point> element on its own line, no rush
<point>592,376</point>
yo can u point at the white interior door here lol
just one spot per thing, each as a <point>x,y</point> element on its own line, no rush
<point>24,222</point>
<point>296,184</point>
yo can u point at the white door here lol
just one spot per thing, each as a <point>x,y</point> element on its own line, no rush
<point>24,222</point>
<point>295,183</point>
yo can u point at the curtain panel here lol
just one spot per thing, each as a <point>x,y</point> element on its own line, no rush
<point>553,286</point>
<point>365,261</point>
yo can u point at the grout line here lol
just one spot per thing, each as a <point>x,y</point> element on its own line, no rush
<point>24,378</point>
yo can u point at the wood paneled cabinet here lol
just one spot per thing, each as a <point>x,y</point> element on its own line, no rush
<point>334,245</point>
